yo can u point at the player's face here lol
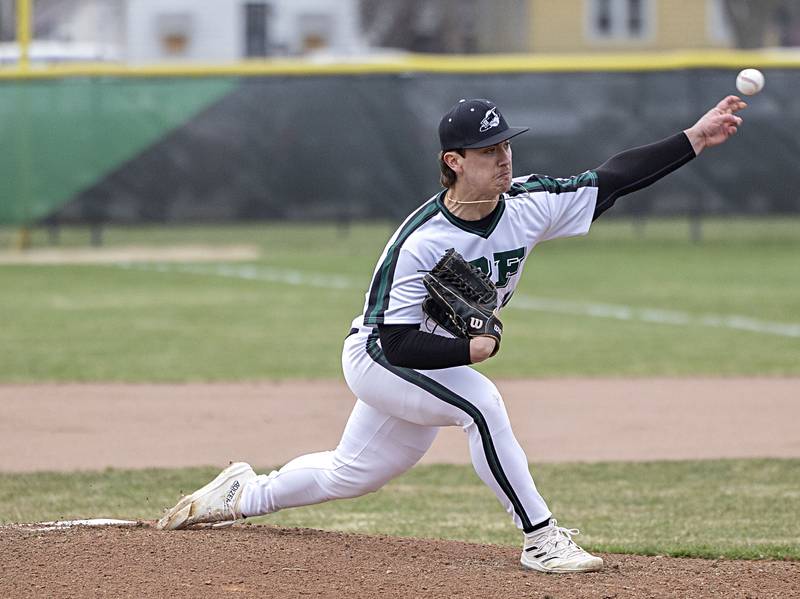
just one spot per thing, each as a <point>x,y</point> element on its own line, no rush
<point>487,170</point>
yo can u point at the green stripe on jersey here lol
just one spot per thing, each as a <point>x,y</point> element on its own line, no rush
<point>384,275</point>
<point>554,184</point>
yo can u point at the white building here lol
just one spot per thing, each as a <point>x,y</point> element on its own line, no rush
<point>218,31</point>
<point>231,30</point>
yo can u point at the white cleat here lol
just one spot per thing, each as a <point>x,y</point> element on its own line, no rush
<point>216,502</point>
<point>551,549</point>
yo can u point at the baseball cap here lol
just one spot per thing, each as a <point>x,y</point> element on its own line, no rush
<point>474,124</point>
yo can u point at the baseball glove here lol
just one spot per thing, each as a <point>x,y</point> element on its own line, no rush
<point>462,299</point>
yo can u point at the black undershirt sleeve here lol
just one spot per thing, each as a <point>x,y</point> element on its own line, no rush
<point>634,169</point>
<point>406,346</point>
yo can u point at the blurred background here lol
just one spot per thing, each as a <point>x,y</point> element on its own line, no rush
<point>209,111</point>
<point>197,191</point>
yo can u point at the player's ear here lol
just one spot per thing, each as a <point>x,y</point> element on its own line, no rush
<point>453,159</point>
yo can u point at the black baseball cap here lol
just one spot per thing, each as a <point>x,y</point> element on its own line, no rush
<point>474,124</point>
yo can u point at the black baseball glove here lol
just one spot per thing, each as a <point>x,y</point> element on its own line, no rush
<point>462,299</point>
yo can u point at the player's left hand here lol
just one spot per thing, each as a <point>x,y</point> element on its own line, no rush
<point>717,125</point>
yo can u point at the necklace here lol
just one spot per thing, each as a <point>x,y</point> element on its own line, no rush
<point>448,196</point>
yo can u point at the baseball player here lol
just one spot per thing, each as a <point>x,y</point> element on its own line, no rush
<point>411,377</point>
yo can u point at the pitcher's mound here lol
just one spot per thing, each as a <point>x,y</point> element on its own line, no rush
<point>265,561</point>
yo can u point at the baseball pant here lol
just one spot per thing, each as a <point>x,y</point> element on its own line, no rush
<point>397,414</point>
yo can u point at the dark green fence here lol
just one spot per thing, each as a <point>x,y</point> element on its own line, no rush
<point>364,146</point>
<point>63,138</point>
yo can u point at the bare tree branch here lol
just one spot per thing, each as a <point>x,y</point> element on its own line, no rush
<point>420,25</point>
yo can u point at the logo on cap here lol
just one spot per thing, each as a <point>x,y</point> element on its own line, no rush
<point>490,119</point>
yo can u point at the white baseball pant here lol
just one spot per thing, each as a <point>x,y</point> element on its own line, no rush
<point>397,414</point>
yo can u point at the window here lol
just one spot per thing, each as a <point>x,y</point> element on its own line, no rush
<point>603,17</point>
<point>256,41</point>
<point>174,32</point>
<point>315,30</point>
<point>620,19</point>
<point>635,18</point>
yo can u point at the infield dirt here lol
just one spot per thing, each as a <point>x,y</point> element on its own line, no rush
<point>262,561</point>
<point>66,427</point>
<point>94,426</point>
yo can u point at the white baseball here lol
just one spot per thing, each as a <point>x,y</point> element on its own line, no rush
<point>750,81</point>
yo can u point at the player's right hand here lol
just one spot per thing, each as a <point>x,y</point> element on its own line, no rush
<point>717,125</point>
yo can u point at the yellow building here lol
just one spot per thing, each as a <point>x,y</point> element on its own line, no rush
<point>614,25</point>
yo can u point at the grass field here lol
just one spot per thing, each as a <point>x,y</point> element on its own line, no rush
<point>624,301</point>
<point>620,302</point>
<point>731,508</point>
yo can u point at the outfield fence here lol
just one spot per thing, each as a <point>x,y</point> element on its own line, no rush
<point>292,140</point>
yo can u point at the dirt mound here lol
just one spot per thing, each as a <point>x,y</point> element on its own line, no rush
<point>265,561</point>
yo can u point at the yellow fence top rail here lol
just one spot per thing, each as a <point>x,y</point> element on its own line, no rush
<point>426,63</point>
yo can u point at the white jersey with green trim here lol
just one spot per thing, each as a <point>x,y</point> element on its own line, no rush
<point>536,208</point>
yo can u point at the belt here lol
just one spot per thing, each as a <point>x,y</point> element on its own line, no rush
<point>353,331</point>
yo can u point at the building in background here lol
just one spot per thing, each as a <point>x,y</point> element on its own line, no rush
<point>620,25</point>
<point>226,31</point>
<point>232,30</point>
<point>147,31</point>
<point>579,26</point>
<point>67,30</point>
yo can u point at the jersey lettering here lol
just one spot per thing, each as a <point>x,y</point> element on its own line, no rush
<point>483,264</point>
<point>506,264</point>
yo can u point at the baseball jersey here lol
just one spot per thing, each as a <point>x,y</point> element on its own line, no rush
<point>536,208</point>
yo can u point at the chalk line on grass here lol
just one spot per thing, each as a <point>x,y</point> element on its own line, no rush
<point>523,302</point>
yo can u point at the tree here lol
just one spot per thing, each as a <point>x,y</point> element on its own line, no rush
<point>750,20</point>
<point>8,25</point>
<point>420,25</point>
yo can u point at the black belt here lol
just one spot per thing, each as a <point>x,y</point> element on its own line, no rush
<point>353,331</point>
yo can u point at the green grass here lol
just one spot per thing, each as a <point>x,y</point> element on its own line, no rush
<point>104,323</point>
<point>90,322</point>
<point>728,508</point>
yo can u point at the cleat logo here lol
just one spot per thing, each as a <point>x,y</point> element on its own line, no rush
<point>232,492</point>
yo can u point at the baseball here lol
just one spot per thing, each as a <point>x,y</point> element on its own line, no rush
<point>750,81</point>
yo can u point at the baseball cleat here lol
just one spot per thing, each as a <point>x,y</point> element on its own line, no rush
<point>551,549</point>
<point>216,502</point>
